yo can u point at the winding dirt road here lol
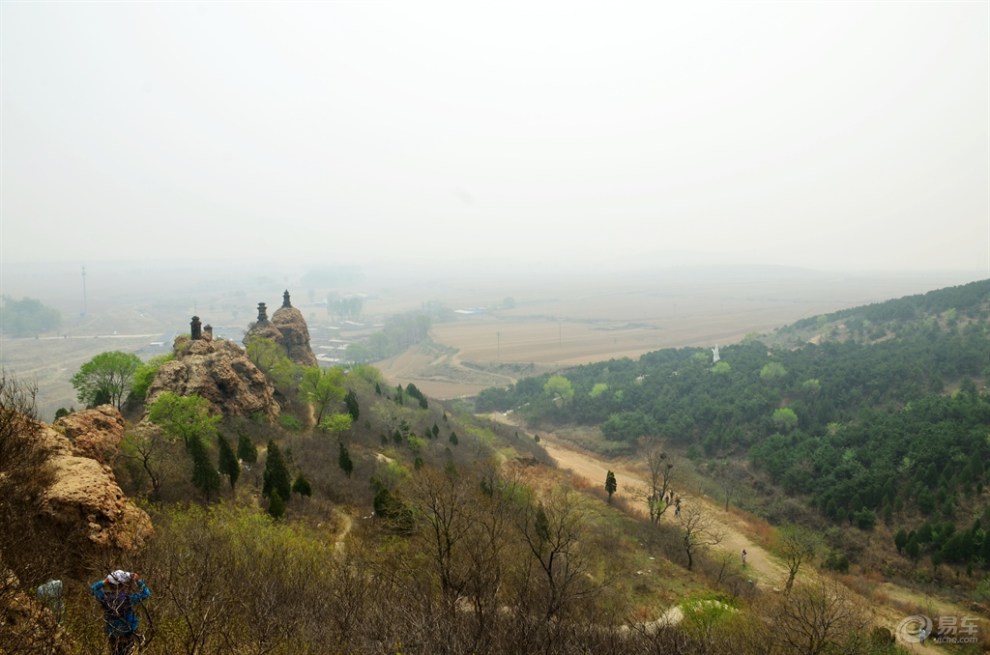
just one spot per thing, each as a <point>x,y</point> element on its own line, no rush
<point>761,566</point>
<point>765,568</point>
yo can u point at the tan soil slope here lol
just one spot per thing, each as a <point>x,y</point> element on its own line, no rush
<point>766,568</point>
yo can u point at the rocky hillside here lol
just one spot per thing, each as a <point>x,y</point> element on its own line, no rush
<point>219,371</point>
<point>287,328</point>
<point>56,489</point>
<point>84,496</point>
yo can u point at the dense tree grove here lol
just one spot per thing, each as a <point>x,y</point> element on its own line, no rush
<point>399,333</point>
<point>27,317</point>
<point>863,426</point>
<point>349,307</point>
<point>106,378</point>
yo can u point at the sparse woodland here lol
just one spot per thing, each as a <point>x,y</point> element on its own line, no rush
<point>873,418</point>
<point>372,519</point>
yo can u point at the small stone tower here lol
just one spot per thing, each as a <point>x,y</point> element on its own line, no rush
<point>287,327</point>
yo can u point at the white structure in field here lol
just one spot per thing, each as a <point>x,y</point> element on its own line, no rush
<point>715,355</point>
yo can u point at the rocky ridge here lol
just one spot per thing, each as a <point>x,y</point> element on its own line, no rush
<point>220,371</point>
<point>84,498</point>
<point>288,328</point>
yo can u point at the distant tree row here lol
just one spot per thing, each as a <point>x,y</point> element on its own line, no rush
<point>967,300</point>
<point>348,307</point>
<point>27,317</point>
<point>399,333</point>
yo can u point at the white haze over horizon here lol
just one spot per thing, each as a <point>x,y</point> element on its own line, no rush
<point>836,136</point>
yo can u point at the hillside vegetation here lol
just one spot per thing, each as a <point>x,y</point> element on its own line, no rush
<point>878,413</point>
<point>370,518</point>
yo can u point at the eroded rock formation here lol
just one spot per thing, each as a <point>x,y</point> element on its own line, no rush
<point>220,371</point>
<point>84,499</point>
<point>94,433</point>
<point>26,625</point>
<point>288,328</point>
<point>58,507</point>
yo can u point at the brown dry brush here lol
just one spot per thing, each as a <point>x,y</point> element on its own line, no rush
<point>365,603</point>
<point>29,554</point>
<point>475,576</point>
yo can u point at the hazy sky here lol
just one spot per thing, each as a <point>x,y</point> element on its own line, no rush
<point>846,135</point>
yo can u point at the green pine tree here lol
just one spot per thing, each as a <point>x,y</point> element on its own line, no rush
<point>227,461</point>
<point>246,451</point>
<point>302,486</point>
<point>610,485</point>
<point>351,402</point>
<point>276,506</point>
<point>276,477</point>
<point>204,476</point>
<point>344,459</point>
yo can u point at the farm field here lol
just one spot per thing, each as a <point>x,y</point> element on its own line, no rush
<point>552,328</point>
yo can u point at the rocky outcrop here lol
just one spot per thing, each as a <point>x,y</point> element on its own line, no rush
<point>220,371</point>
<point>28,626</point>
<point>288,328</point>
<point>295,335</point>
<point>94,433</point>
<point>84,499</point>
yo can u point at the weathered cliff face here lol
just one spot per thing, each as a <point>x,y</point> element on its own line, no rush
<point>58,508</point>
<point>292,326</point>
<point>84,499</point>
<point>95,433</point>
<point>219,371</point>
<point>288,328</point>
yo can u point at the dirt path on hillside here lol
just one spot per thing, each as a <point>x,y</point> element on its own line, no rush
<point>765,568</point>
<point>761,566</point>
<point>347,524</point>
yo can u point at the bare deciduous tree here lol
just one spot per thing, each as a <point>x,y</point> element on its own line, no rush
<point>146,447</point>
<point>660,478</point>
<point>797,546</point>
<point>698,531</point>
<point>816,618</point>
<point>551,529</point>
<point>445,509</point>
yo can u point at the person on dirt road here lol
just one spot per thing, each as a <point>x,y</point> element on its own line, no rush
<point>117,594</point>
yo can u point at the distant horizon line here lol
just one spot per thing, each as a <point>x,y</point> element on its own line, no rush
<point>636,264</point>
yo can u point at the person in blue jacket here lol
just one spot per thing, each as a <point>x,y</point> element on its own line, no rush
<point>118,593</point>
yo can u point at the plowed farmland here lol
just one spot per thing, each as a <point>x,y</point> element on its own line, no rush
<point>552,329</point>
